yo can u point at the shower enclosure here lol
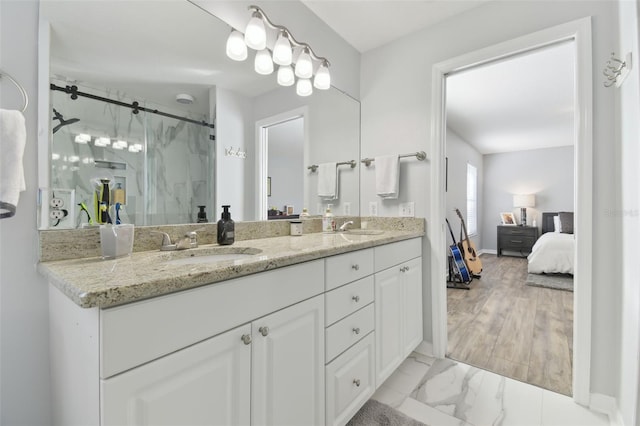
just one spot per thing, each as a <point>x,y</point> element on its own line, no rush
<point>165,165</point>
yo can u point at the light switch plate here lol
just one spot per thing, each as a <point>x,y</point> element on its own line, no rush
<point>346,209</point>
<point>407,209</point>
<point>373,208</point>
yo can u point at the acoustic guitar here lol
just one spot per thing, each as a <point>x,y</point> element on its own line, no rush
<point>458,261</point>
<point>468,249</point>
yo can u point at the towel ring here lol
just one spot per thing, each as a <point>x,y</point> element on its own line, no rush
<point>20,88</point>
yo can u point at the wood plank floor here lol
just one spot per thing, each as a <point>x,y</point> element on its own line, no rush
<point>510,328</point>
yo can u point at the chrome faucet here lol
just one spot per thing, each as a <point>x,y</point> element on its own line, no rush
<point>345,226</point>
<point>190,240</point>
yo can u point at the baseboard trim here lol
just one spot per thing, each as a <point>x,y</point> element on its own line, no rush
<point>487,251</point>
<point>606,404</point>
<point>425,348</point>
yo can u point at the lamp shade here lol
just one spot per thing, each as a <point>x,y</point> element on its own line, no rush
<point>255,35</point>
<point>263,63</point>
<point>285,75</point>
<point>236,48</point>
<point>304,66</point>
<point>282,54</point>
<point>322,79</point>
<point>528,200</point>
<point>304,87</point>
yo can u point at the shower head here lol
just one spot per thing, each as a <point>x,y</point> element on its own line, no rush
<point>63,122</point>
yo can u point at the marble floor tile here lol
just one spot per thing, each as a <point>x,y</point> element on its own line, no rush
<point>417,364</point>
<point>450,387</point>
<point>560,410</point>
<point>428,415</point>
<point>402,382</point>
<point>389,396</point>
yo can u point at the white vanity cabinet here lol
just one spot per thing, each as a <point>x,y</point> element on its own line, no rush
<point>398,296</point>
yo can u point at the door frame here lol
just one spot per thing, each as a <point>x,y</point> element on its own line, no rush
<point>262,165</point>
<point>578,31</point>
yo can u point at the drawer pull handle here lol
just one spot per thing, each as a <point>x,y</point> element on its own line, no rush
<point>356,382</point>
<point>264,330</point>
<point>356,298</point>
<point>356,330</point>
<point>246,339</point>
<point>516,241</point>
<point>355,267</point>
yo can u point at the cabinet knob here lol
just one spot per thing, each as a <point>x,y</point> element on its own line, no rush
<point>355,267</point>
<point>356,298</point>
<point>356,382</point>
<point>246,339</point>
<point>356,330</point>
<point>264,330</point>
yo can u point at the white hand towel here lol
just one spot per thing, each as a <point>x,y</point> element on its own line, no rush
<point>13,136</point>
<point>387,176</point>
<point>328,181</point>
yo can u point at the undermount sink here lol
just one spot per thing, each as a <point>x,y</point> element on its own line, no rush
<point>211,255</point>
<point>365,231</point>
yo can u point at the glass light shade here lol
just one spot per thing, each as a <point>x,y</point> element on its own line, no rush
<point>282,54</point>
<point>304,87</point>
<point>236,48</point>
<point>285,75</point>
<point>304,66</point>
<point>322,79</point>
<point>255,35</point>
<point>263,63</point>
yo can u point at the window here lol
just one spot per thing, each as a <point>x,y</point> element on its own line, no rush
<point>472,199</point>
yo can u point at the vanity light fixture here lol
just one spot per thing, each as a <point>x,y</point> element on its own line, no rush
<point>119,144</point>
<point>102,142</point>
<point>282,53</point>
<point>82,138</point>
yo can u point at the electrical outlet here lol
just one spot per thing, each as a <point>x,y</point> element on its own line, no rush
<point>407,209</point>
<point>373,208</point>
<point>57,214</point>
<point>56,203</point>
<point>346,209</point>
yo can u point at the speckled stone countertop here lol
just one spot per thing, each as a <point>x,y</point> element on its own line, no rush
<point>94,282</point>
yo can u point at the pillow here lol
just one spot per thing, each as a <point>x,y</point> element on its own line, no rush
<point>566,222</point>
<point>556,224</point>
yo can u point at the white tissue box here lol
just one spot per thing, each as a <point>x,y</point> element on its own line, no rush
<point>116,240</point>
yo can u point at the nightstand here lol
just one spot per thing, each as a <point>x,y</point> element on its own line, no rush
<point>518,239</point>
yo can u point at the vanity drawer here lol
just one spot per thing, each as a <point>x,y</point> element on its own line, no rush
<point>348,267</point>
<point>350,381</point>
<point>348,331</point>
<point>392,254</point>
<point>139,332</point>
<point>347,299</point>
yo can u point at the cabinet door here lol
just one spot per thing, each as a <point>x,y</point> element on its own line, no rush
<point>412,293</point>
<point>288,366</point>
<point>388,308</point>
<point>208,383</point>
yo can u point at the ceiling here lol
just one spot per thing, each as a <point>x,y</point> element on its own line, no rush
<point>521,103</point>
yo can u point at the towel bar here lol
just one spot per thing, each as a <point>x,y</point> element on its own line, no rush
<point>420,155</point>
<point>23,92</point>
<point>351,163</point>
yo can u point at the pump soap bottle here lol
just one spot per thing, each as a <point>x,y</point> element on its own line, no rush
<point>202,215</point>
<point>226,228</point>
<point>328,221</point>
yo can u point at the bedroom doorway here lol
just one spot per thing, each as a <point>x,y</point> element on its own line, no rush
<point>578,34</point>
<point>508,321</point>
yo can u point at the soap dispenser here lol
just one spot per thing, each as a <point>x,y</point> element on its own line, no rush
<point>328,221</point>
<point>226,228</point>
<point>202,215</point>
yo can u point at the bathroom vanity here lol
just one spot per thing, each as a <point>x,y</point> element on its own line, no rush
<point>302,332</point>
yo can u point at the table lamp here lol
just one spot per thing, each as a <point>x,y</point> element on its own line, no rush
<point>524,201</point>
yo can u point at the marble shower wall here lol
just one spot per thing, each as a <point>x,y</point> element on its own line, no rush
<point>164,182</point>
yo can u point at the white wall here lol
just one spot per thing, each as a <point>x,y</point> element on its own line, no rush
<point>460,153</point>
<point>396,97</point>
<point>24,334</point>
<point>547,173</point>
<point>234,128</point>
<point>628,104</point>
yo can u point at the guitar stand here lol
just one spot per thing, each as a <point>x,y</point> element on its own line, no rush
<point>453,279</point>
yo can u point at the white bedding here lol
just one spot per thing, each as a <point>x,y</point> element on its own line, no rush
<point>552,253</point>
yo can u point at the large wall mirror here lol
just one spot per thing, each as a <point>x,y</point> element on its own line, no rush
<point>162,160</point>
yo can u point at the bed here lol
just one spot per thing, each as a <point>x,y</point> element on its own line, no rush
<point>554,251</point>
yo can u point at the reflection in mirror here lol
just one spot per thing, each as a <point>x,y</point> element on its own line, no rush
<point>169,167</point>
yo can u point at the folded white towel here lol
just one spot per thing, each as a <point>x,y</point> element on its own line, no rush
<point>328,181</point>
<point>13,136</point>
<point>387,176</point>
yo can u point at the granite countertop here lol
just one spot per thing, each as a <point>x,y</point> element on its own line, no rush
<point>94,282</point>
